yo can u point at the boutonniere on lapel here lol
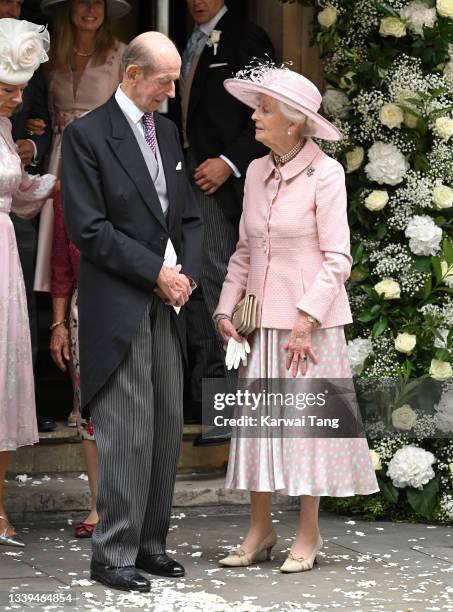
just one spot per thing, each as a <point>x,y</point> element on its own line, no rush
<point>310,171</point>
<point>213,40</point>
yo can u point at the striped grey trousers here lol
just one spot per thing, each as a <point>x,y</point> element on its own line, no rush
<point>138,421</point>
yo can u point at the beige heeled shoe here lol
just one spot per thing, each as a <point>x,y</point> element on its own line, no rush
<point>301,564</point>
<point>239,558</point>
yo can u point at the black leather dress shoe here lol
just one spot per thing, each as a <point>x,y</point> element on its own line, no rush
<point>45,424</point>
<point>122,578</point>
<point>160,565</point>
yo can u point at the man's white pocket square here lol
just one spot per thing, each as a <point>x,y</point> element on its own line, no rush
<point>179,166</point>
<point>218,65</point>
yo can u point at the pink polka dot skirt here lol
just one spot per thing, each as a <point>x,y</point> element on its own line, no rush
<point>336,467</point>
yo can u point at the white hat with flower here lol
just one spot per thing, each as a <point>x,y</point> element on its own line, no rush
<point>23,47</point>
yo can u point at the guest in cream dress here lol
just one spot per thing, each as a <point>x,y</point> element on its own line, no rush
<point>83,72</point>
<point>294,254</point>
<point>24,47</point>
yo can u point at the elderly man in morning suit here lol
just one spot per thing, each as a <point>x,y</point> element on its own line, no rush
<point>219,145</point>
<point>131,212</point>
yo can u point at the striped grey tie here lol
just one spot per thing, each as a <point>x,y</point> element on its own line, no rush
<point>193,46</point>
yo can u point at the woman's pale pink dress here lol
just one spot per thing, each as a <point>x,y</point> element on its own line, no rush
<point>24,195</point>
<point>71,95</point>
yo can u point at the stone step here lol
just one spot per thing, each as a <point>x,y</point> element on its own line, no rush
<point>61,451</point>
<point>68,494</point>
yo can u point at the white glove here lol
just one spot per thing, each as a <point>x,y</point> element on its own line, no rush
<point>236,352</point>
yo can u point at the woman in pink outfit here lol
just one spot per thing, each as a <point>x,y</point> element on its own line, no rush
<point>24,47</point>
<point>293,253</point>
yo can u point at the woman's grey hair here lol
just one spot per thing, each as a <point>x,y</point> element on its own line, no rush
<point>307,125</point>
<point>138,54</point>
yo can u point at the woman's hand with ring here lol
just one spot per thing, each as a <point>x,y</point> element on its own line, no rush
<point>35,126</point>
<point>298,348</point>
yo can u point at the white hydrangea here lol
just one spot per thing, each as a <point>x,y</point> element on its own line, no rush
<point>411,466</point>
<point>444,411</point>
<point>424,234</point>
<point>358,351</point>
<point>387,164</point>
<point>416,15</point>
<point>335,103</point>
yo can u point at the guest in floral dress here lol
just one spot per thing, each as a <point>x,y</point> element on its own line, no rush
<point>294,254</point>
<point>23,48</point>
<point>64,346</point>
<point>84,71</point>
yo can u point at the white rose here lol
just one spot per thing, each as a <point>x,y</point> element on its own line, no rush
<point>447,273</point>
<point>411,466</point>
<point>354,159</point>
<point>445,8</point>
<point>376,460</point>
<point>425,236</point>
<point>335,103</point>
<point>215,36</point>
<point>443,197</point>
<point>29,51</point>
<point>443,127</point>
<point>442,341</point>
<point>440,370</point>
<point>405,343</point>
<point>377,200</point>
<point>392,26</point>
<point>389,288</point>
<point>391,115</point>
<point>417,15</point>
<point>328,17</point>
<point>387,164</point>
<point>403,418</point>
<point>358,351</point>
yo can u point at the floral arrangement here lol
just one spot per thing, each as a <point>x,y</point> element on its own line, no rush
<point>389,72</point>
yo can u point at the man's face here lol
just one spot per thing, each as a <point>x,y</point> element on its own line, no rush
<point>10,8</point>
<point>203,11</point>
<point>150,90</point>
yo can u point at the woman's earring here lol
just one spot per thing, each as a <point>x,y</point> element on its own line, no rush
<point>289,132</point>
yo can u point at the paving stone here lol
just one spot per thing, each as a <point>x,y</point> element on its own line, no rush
<point>379,571</point>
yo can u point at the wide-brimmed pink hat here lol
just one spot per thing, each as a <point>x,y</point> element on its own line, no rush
<point>286,86</point>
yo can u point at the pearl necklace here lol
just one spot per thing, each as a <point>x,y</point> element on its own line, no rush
<point>280,160</point>
<point>77,52</point>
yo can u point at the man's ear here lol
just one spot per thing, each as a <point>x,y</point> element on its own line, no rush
<point>132,72</point>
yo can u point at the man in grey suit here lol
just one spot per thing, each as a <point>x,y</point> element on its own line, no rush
<point>130,210</point>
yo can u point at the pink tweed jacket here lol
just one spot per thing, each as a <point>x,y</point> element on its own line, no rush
<point>293,250</point>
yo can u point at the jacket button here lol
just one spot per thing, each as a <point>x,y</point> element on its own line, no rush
<point>163,237</point>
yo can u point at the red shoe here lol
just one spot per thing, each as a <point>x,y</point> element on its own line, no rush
<point>84,530</point>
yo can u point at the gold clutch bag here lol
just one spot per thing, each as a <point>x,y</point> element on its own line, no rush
<point>244,315</point>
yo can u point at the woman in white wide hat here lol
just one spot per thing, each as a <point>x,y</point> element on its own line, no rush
<point>83,72</point>
<point>23,47</point>
<point>293,253</point>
